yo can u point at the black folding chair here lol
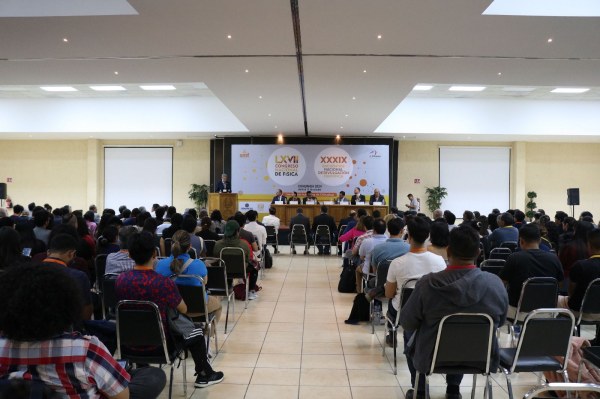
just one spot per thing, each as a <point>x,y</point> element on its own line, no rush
<point>451,358</point>
<point>394,325</point>
<point>217,283</point>
<point>512,245</point>
<point>195,298</point>
<point>298,236</point>
<point>210,246</point>
<point>380,279</point>
<point>100,269</point>
<point>235,263</point>
<point>272,238</point>
<point>109,296</point>
<point>322,238</point>
<point>536,293</point>
<point>493,266</point>
<point>139,326</point>
<point>500,253</point>
<point>544,345</point>
<point>340,244</point>
<point>589,313</point>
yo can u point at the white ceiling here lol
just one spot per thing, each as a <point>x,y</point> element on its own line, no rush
<point>183,41</point>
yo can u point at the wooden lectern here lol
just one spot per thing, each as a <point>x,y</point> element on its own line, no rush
<point>227,203</point>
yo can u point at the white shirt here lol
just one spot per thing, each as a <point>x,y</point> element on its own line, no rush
<point>259,231</point>
<point>412,265</point>
<point>272,220</point>
<point>416,205</point>
<point>159,229</point>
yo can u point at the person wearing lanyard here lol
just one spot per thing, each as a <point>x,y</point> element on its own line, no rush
<point>460,288</point>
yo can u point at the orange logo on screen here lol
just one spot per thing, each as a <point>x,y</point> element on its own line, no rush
<point>287,159</point>
<point>327,159</point>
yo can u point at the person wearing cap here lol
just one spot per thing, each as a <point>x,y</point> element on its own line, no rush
<point>231,238</point>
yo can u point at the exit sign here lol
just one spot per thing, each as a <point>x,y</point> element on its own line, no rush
<point>9,179</point>
<point>417,181</point>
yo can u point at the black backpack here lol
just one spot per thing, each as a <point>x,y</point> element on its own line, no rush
<point>347,282</point>
<point>361,310</point>
<point>268,259</point>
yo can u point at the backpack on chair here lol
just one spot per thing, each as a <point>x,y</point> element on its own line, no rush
<point>347,282</point>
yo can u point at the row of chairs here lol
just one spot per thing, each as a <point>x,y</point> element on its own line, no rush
<point>322,237</point>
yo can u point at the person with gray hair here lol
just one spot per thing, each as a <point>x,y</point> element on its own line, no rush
<point>223,186</point>
<point>118,262</point>
<point>438,214</point>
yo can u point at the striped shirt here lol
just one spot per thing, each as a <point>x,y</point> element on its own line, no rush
<point>75,366</point>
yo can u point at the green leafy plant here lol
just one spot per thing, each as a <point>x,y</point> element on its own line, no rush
<point>531,205</point>
<point>435,195</point>
<point>199,194</point>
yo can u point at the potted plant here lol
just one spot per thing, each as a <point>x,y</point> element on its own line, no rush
<point>199,194</point>
<point>531,205</point>
<point>435,195</point>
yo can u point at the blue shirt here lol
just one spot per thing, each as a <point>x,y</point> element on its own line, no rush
<point>392,248</point>
<point>196,268</point>
<point>501,234</point>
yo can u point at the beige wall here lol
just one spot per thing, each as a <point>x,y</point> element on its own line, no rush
<point>546,168</point>
<point>72,172</point>
<point>61,172</point>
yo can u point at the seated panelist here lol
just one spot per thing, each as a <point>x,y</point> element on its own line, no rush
<point>357,197</point>
<point>376,197</point>
<point>310,199</point>
<point>341,198</point>
<point>279,197</point>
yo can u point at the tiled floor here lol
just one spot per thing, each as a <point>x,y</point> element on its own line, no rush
<point>292,343</point>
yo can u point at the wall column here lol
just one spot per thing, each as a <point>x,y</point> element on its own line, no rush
<point>518,166</point>
<point>93,177</point>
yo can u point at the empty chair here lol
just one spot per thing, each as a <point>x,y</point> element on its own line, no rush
<point>544,345</point>
<point>210,245</point>
<point>393,325</point>
<point>298,236</point>
<point>449,358</point>
<point>500,253</point>
<point>492,265</point>
<point>536,293</point>
<point>139,326</point>
<point>589,313</point>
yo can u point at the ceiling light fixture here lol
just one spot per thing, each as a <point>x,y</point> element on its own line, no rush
<point>422,87</point>
<point>499,73</point>
<point>379,36</point>
<point>229,36</point>
<point>58,88</point>
<point>467,88</point>
<point>269,115</point>
<point>550,40</point>
<point>260,97</point>
<point>346,115</point>
<point>157,87</point>
<point>364,71</point>
<point>116,72</point>
<point>107,88</point>
<point>570,90</point>
<point>65,39</point>
<point>246,71</point>
<point>354,98</point>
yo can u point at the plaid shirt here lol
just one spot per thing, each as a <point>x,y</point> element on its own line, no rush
<point>73,365</point>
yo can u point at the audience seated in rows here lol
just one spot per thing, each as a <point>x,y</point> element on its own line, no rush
<point>366,249</point>
<point>205,232</point>
<point>505,231</point>
<point>256,229</point>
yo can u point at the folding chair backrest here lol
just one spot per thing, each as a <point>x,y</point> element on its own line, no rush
<point>407,289</point>
<point>493,265</point>
<point>341,229</point>
<point>139,326</point>
<point>100,269</point>
<point>234,261</point>
<point>323,230</point>
<point>217,278</point>
<point>210,245</point>
<point>381,272</point>
<point>591,298</point>
<point>538,292</point>
<point>192,253</point>
<point>271,233</point>
<point>546,332</point>
<point>512,245</point>
<point>500,253</point>
<point>478,330</point>
<point>192,295</point>
<point>109,292</point>
<point>299,234</point>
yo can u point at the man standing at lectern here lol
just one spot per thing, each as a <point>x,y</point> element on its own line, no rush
<point>223,186</point>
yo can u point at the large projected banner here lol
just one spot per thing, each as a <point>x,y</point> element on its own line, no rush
<point>322,169</point>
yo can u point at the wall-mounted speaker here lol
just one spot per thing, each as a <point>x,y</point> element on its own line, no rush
<point>3,192</point>
<point>572,196</point>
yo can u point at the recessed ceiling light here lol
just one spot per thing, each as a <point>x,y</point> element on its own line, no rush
<point>550,40</point>
<point>467,88</point>
<point>346,115</point>
<point>422,87</point>
<point>275,126</point>
<point>354,98</point>
<point>364,71</point>
<point>116,72</point>
<point>499,73</point>
<point>229,36</point>
<point>341,127</point>
<point>107,88</point>
<point>269,115</point>
<point>570,90</point>
<point>246,71</point>
<point>58,88</point>
<point>379,36</point>
<point>157,87</point>
<point>260,97</point>
<point>65,39</point>
<point>518,89</point>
